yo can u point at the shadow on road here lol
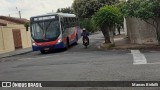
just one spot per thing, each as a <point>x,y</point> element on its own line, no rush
<point>58,50</point>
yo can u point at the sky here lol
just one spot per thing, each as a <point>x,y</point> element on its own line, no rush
<point>30,8</point>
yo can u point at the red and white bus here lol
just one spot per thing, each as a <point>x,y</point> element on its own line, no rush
<point>54,31</point>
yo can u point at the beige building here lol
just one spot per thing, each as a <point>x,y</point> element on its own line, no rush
<point>13,34</point>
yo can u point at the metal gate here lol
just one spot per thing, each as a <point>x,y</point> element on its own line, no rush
<point>17,38</point>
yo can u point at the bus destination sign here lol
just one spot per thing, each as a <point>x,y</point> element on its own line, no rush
<point>44,18</point>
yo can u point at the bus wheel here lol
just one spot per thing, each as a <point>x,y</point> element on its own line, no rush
<point>67,44</point>
<point>43,51</point>
<point>76,43</point>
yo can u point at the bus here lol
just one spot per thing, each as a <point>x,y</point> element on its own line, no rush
<point>54,31</point>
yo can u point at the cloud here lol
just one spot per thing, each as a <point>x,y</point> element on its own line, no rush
<point>31,7</point>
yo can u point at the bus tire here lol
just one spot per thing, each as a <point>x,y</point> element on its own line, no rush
<point>76,43</point>
<point>43,52</point>
<point>67,44</point>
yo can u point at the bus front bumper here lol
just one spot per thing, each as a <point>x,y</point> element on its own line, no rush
<point>51,47</point>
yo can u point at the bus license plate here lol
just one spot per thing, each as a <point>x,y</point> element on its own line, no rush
<point>46,49</point>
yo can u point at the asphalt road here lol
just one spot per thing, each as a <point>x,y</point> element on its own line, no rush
<point>80,64</point>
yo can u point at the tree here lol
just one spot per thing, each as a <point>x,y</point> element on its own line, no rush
<point>88,24</point>
<point>108,2</point>
<point>65,10</point>
<point>84,9</point>
<point>107,18</point>
<point>26,25</point>
<point>87,8</point>
<point>58,10</point>
<point>146,10</point>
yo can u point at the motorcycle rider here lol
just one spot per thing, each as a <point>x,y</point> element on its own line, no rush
<point>85,35</point>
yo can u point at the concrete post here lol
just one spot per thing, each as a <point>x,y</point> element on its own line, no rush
<point>2,39</point>
<point>125,26</point>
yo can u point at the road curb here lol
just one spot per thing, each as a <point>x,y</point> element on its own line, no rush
<point>16,54</point>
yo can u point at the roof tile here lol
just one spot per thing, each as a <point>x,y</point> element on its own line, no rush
<point>4,20</point>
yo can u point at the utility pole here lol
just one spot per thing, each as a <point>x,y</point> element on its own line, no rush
<point>19,14</point>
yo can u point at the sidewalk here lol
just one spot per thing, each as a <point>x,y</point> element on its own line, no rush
<point>122,42</point>
<point>16,52</point>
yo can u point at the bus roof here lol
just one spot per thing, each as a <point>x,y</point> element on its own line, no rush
<point>60,14</point>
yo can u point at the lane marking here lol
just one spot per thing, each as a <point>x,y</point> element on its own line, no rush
<point>138,57</point>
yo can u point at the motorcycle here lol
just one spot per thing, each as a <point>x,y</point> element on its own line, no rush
<point>85,42</point>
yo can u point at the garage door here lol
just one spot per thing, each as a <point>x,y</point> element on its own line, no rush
<point>17,38</point>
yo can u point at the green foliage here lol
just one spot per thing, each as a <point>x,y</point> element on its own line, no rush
<point>26,24</point>
<point>121,17</point>
<point>65,10</point>
<point>107,2</point>
<point>87,8</point>
<point>88,24</point>
<point>143,9</point>
<point>108,15</point>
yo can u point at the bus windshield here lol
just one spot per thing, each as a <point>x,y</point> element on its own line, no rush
<point>45,30</point>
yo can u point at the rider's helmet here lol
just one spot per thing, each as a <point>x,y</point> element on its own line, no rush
<point>84,29</point>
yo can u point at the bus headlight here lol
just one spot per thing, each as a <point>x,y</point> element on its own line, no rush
<point>59,41</point>
<point>34,44</point>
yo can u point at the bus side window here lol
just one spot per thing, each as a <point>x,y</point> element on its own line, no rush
<point>77,21</point>
<point>66,23</point>
<point>71,25</point>
<point>62,26</point>
<point>72,22</point>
